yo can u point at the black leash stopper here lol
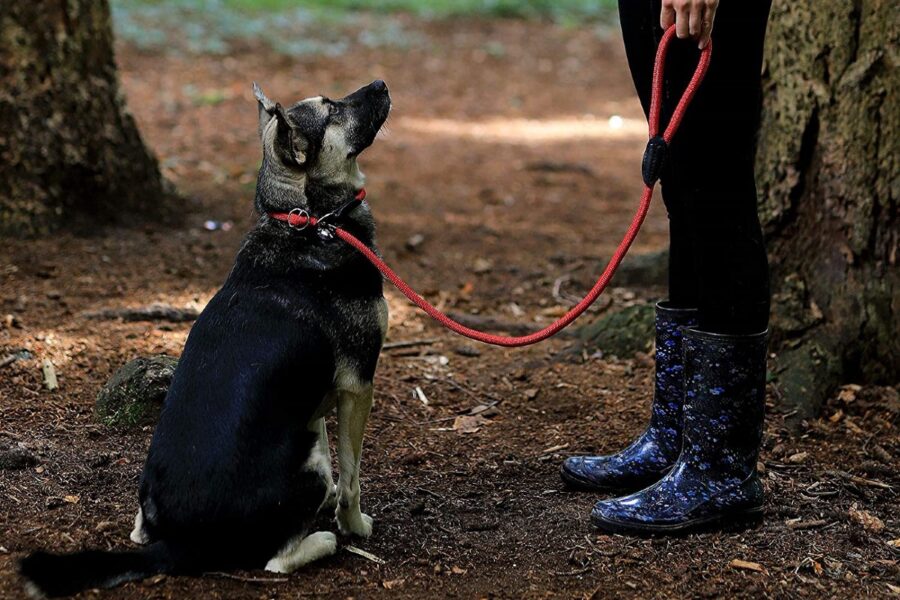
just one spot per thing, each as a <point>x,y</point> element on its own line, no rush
<point>654,160</point>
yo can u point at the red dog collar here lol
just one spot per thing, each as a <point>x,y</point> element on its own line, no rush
<point>300,219</point>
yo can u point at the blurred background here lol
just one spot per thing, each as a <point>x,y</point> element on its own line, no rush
<point>506,175</point>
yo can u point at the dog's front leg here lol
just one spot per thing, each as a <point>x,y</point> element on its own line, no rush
<point>353,412</point>
<point>324,456</point>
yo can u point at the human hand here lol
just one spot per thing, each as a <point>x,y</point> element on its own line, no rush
<point>692,18</point>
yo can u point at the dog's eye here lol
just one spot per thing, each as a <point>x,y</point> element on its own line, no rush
<point>333,109</point>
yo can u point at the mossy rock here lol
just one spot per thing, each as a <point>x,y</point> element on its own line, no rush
<point>621,333</point>
<point>134,395</point>
<point>649,269</point>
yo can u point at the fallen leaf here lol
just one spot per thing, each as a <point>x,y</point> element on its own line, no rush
<point>392,584</point>
<point>798,458</point>
<point>482,265</point>
<point>866,520</point>
<point>848,393</point>
<point>894,543</point>
<point>71,499</point>
<point>531,393</point>
<point>882,454</point>
<point>853,427</point>
<point>458,570</point>
<point>837,416</point>
<point>554,311</point>
<point>748,566</point>
<point>468,423</point>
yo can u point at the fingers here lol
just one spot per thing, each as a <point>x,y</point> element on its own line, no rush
<point>709,17</point>
<point>683,19</point>
<point>692,18</point>
<point>667,16</point>
<point>695,19</point>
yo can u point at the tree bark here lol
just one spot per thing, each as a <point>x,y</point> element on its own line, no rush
<point>69,151</point>
<point>828,172</point>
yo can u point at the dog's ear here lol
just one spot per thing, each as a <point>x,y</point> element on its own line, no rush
<point>290,144</point>
<point>266,107</point>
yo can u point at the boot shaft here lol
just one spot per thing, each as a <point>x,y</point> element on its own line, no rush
<point>725,379</point>
<point>669,381</point>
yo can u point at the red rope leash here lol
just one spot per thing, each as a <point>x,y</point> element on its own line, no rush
<point>652,161</point>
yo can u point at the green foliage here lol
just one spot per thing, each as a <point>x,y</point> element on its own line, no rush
<point>304,27</point>
<point>557,9</point>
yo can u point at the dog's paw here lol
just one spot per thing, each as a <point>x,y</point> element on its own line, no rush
<point>359,524</point>
<point>313,547</point>
<point>138,535</point>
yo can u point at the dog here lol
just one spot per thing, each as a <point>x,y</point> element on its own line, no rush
<point>239,465</point>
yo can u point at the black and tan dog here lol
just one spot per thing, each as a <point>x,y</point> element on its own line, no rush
<point>239,465</point>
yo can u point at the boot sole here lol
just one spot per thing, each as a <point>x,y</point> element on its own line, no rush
<point>735,519</point>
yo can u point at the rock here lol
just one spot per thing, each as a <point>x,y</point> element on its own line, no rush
<point>14,459</point>
<point>414,241</point>
<point>621,333</point>
<point>469,351</point>
<point>650,269</point>
<point>134,395</point>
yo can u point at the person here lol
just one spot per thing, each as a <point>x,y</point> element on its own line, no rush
<point>695,464</point>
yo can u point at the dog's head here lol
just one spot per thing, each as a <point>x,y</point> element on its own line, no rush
<point>315,142</point>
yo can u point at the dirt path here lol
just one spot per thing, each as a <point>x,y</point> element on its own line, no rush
<point>502,155</point>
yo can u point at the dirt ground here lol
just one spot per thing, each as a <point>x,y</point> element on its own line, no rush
<point>502,154</point>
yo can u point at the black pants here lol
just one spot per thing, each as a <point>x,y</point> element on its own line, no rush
<point>717,254</point>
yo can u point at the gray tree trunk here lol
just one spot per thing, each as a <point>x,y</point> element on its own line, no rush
<point>829,182</point>
<point>69,150</point>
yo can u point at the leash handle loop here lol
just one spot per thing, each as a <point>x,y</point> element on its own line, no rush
<point>654,167</point>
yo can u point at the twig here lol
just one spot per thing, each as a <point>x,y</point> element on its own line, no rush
<point>557,288</point>
<point>798,525</point>
<point>572,573</point>
<point>153,312</point>
<point>493,323</point>
<point>430,493</point>
<point>364,554</point>
<point>8,360</point>
<point>553,449</point>
<point>408,344</point>
<point>250,579</point>
<point>860,480</point>
<point>421,395</point>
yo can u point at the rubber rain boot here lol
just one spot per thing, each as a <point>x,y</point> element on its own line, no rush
<point>714,481</point>
<point>652,454</point>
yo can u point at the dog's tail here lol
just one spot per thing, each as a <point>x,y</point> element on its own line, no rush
<point>52,575</point>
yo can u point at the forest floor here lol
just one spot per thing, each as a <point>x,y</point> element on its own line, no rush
<point>509,168</point>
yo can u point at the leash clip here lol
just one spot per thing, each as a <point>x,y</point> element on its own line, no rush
<point>325,230</point>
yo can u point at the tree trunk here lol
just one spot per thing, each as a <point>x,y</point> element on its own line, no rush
<point>829,181</point>
<point>69,151</point>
